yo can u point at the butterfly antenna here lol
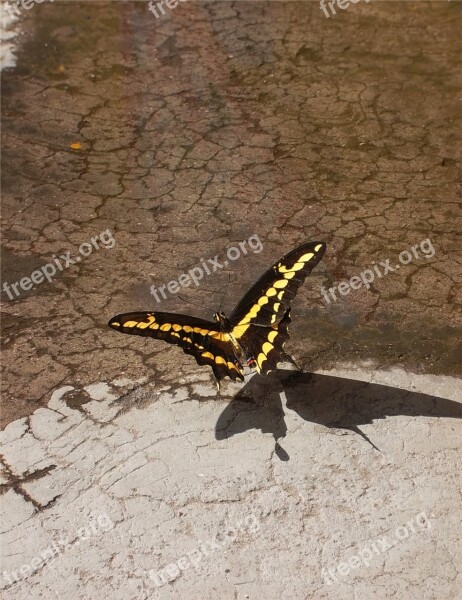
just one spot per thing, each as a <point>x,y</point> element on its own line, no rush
<point>194,303</point>
<point>224,294</point>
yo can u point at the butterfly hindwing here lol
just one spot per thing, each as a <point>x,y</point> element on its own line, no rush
<point>266,345</point>
<point>197,337</point>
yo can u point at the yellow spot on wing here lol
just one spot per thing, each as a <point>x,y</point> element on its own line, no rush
<point>272,335</point>
<point>130,323</point>
<point>297,266</point>
<point>244,324</point>
<point>216,335</point>
<point>280,295</point>
<point>114,324</point>
<point>276,306</point>
<point>289,275</point>
<point>306,257</point>
<point>252,312</point>
<point>148,323</point>
<point>239,330</point>
<point>271,292</point>
<point>280,284</point>
<point>231,365</point>
<point>175,334</point>
<point>318,247</point>
<point>165,327</point>
<point>267,347</point>
<point>177,327</point>
<point>221,361</point>
<point>207,355</point>
<point>260,360</point>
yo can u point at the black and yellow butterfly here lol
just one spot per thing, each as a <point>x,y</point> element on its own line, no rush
<point>253,335</point>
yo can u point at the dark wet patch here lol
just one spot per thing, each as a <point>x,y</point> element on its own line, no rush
<point>221,120</point>
<point>428,350</point>
<point>15,267</point>
<point>76,399</point>
<point>61,32</point>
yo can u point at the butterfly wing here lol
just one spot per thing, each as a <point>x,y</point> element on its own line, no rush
<point>265,345</point>
<point>197,337</point>
<point>260,320</point>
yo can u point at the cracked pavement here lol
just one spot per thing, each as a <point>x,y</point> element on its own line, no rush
<point>183,136</point>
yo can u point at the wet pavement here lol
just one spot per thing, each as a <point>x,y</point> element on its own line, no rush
<point>169,141</point>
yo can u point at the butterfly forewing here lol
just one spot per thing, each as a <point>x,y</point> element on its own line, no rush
<point>268,300</point>
<point>260,320</point>
<point>197,337</point>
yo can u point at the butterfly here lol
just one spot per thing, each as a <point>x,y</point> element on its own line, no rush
<point>253,335</point>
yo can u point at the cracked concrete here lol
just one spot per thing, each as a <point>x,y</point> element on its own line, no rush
<point>183,136</point>
<point>166,485</point>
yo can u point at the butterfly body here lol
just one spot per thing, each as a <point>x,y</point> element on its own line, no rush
<point>253,335</point>
<point>240,356</point>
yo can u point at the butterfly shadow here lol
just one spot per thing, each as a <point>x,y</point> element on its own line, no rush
<point>334,402</point>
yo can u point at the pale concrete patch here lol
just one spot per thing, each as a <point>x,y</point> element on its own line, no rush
<point>8,32</point>
<point>114,504</point>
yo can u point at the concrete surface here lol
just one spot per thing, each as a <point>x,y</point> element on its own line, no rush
<point>253,521</point>
<point>124,475</point>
